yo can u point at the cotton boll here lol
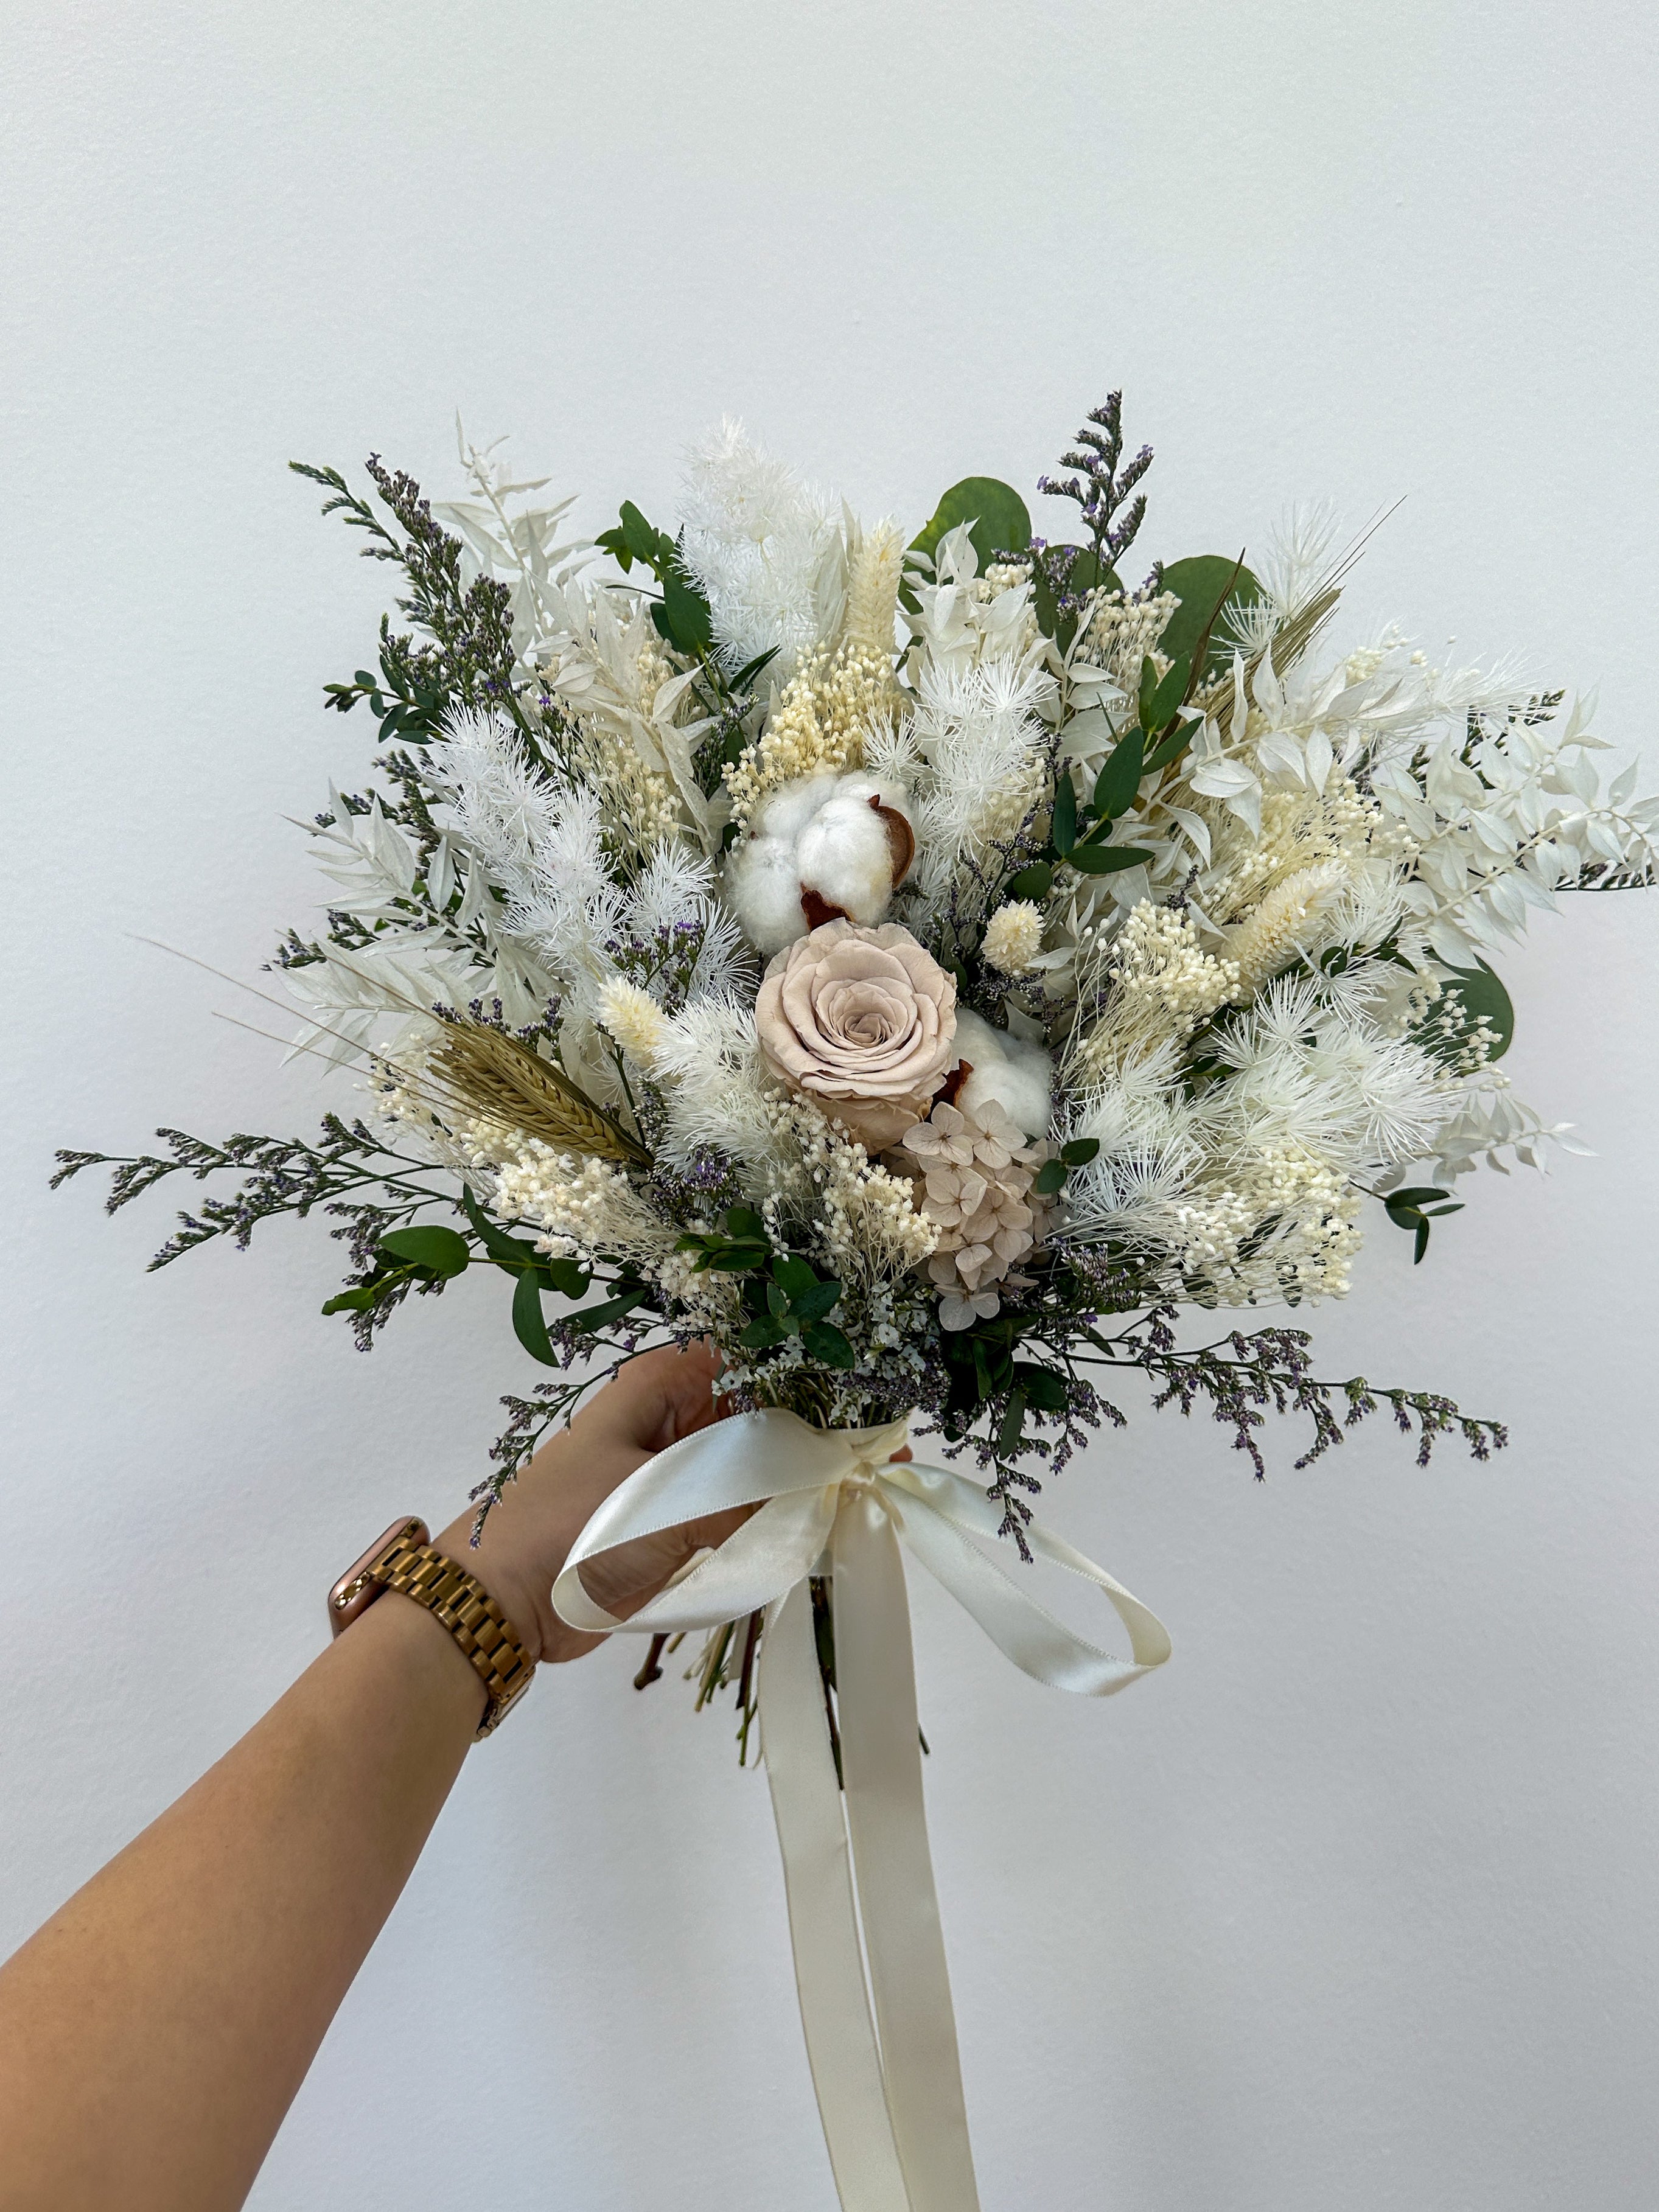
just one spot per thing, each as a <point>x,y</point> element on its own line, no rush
<point>787,812</point>
<point>763,885</point>
<point>1008,1071</point>
<point>846,856</point>
<point>822,846</point>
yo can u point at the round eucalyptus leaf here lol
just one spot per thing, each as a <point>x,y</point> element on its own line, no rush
<point>1485,1000</point>
<point>996,511</point>
<point>1198,584</point>
<point>429,1246</point>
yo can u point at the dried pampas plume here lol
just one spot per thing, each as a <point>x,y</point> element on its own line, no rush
<point>495,1077</point>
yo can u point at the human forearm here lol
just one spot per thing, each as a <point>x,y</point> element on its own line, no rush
<point>154,2031</point>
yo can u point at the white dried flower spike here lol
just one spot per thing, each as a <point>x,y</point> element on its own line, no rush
<point>1013,937</point>
<point>826,847</point>
<point>633,1017</point>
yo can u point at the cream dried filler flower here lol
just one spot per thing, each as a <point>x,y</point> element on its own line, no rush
<point>862,1020</point>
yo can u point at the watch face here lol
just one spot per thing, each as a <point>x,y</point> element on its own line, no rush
<point>355,1592</point>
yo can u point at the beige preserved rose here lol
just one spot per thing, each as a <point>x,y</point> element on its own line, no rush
<point>863,1020</point>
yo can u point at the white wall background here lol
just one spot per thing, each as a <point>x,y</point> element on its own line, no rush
<point>1357,1904</point>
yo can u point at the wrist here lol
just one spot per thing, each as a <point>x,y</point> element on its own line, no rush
<point>438,1670</point>
<point>491,1562</point>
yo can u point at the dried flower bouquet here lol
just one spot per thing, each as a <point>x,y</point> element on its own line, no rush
<point>921,962</point>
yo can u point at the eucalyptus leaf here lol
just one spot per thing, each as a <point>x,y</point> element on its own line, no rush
<point>1013,1421</point>
<point>685,612</point>
<point>1048,1178</point>
<point>1031,883</point>
<point>1200,584</point>
<point>827,1345</point>
<point>1485,1000</point>
<point>1042,1386</point>
<point>1063,833</point>
<point>505,1251</point>
<point>1120,780</point>
<point>1107,859</point>
<point>1000,521</point>
<point>816,1303</point>
<point>794,1277</point>
<point>529,1324</point>
<point>601,1317</point>
<point>638,536</point>
<point>426,1245</point>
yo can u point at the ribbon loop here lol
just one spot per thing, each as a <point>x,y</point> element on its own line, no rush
<point>889,2080</point>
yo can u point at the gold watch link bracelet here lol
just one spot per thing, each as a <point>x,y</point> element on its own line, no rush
<point>405,1559</point>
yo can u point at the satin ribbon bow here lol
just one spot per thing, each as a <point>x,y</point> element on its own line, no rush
<point>889,2087</point>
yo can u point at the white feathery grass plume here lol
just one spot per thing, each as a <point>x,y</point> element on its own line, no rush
<point>715,1088</point>
<point>1304,1074</point>
<point>978,755</point>
<point>1293,570</point>
<point>767,552</point>
<point>505,809</point>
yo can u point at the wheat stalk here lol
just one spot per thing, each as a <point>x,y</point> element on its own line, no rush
<point>498,1079</point>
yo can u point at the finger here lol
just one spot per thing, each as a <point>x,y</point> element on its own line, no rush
<point>652,1399</point>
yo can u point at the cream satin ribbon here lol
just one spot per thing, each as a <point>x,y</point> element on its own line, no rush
<point>889,2087</point>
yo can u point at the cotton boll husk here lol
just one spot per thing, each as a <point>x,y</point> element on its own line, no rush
<point>763,885</point>
<point>1008,1071</point>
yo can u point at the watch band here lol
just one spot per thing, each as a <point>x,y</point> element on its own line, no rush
<point>404,1561</point>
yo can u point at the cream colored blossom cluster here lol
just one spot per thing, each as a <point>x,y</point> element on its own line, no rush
<point>819,723</point>
<point>1164,984</point>
<point>638,803</point>
<point>1299,829</point>
<point>867,1216</point>
<point>584,1207</point>
<point>1284,1223</point>
<point>1003,576</point>
<point>1124,631</point>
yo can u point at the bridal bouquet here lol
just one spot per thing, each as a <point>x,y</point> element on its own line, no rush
<point>921,962</point>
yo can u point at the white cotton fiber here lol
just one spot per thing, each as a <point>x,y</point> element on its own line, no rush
<point>1018,1075</point>
<point>763,885</point>
<point>829,836</point>
<point>846,856</point>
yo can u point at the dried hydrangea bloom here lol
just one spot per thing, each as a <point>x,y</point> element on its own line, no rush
<point>977,1171</point>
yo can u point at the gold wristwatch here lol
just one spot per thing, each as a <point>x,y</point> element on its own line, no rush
<point>404,1559</point>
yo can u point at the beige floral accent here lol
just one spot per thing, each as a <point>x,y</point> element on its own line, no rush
<point>862,1020</point>
<point>977,1171</point>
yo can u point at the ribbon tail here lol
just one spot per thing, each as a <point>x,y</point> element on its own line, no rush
<point>886,1818</point>
<point>835,2004</point>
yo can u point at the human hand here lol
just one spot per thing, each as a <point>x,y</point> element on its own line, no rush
<point>655,1400</point>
